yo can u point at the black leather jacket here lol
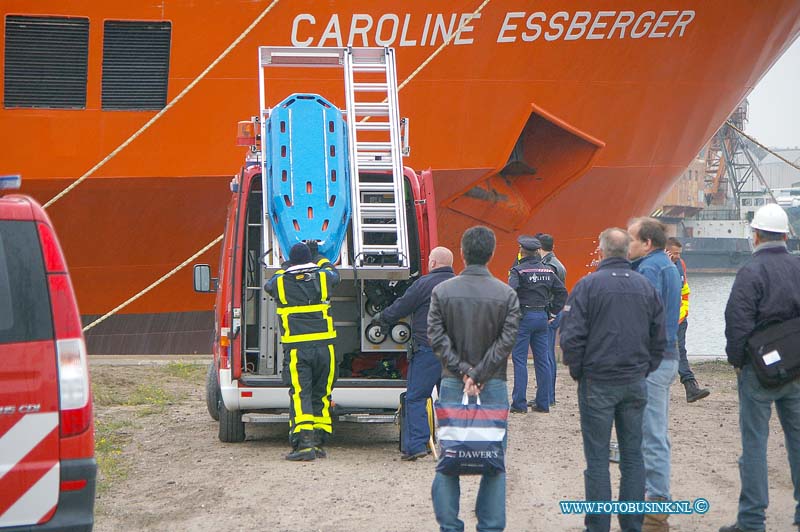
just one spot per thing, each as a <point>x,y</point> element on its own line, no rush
<point>472,325</point>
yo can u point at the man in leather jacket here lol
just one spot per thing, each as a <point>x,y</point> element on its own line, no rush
<point>472,325</point>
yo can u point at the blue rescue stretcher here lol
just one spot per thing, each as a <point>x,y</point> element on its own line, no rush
<point>308,182</point>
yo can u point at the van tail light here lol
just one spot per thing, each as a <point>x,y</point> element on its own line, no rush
<point>73,371</point>
<point>53,258</point>
<point>73,378</point>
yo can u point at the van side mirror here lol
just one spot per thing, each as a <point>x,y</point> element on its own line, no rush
<point>203,282</point>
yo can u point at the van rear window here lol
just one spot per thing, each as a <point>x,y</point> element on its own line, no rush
<point>24,297</point>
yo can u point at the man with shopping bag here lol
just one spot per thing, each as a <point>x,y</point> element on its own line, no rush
<point>472,326</point>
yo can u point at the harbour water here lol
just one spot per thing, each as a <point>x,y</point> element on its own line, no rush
<point>706,333</point>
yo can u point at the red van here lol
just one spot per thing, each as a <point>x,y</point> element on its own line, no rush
<point>47,464</point>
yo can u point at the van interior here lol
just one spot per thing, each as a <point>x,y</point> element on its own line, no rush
<point>353,303</point>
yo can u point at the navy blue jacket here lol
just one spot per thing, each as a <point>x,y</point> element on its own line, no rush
<point>662,273</point>
<point>416,301</point>
<point>612,327</point>
<point>537,285</point>
<point>766,290</point>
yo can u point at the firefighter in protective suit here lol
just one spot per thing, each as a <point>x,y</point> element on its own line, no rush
<point>302,291</point>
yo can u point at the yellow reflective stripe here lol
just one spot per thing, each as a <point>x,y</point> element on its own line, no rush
<point>322,261</point>
<point>304,418</point>
<point>285,323</point>
<point>299,309</point>
<point>298,406</point>
<point>329,319</point>
<point>326,401</point>
<point>281,291</point>
<point>308,337</point>
<point>326,428</point>
<point>287,336</point>
<point>323,286</point>
<point>304,426</point>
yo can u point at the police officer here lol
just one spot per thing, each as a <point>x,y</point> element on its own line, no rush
<point>541,295</point>
<point>424,370</point>
<point>302,293</point>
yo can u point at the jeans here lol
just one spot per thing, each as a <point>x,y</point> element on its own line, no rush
<point>602,404</point>
<point>490,506</point>
<point>552,330</point>
<point>683,362</point>
<point>424,372</point>
<point>533,332</point>
<point>655,430</point>
<point>755,408</point>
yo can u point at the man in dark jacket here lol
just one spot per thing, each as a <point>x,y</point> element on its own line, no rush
<point>541,294</point>
<point>424,369</point>
<point>472,325</point>
<point>766,291</point>
<point>612,336</point>
<point>549,259</point>
<point>648,238</point>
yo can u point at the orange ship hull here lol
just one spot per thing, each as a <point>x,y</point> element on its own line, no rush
<point>552,116</point>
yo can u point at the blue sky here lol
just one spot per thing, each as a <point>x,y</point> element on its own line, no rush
<point>775,103</point>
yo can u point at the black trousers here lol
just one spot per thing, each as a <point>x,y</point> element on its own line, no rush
<point>310,371</point>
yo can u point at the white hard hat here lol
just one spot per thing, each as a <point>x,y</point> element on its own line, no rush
<point>772,218</point>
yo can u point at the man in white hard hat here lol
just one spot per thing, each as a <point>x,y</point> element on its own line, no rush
<point>766,291</point>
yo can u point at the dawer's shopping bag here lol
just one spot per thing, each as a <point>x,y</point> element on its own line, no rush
<point>471,437</point>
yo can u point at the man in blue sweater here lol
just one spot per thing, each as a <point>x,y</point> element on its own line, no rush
<point>649,258</point>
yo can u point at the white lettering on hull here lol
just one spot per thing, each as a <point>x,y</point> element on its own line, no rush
<point>432,29</point>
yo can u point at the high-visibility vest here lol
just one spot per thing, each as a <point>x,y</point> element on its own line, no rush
<point>302,297</point>
<point>684,312</point>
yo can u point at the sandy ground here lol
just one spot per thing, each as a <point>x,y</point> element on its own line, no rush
<point>165,469</point>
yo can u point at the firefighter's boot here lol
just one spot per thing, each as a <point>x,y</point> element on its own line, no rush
<point>305,451</point>
<point>320,440</point>
<point>694,392</point>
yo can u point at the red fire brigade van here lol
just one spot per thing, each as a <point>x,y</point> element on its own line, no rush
<point>386,230</point>
<point>47,465</point>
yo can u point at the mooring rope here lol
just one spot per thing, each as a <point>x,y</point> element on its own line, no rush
<point>153,285</point>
